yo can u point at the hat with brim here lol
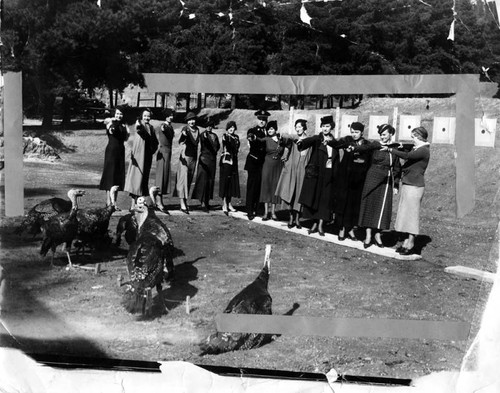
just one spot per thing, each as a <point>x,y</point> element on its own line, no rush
<point>262,114</point>
<point>190,116</point>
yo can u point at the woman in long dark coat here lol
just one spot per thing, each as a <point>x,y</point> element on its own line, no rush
<point>349,181</point>
<point>207,166</point>
<point>380,183</point>
<point>271,171</point>
<point>141,157</point>
<point>317,190</point>
<point>189,141</point>
<point>292,175</point>
<point>165,136</point>
<point>113,173</point>
<point>229,183</point>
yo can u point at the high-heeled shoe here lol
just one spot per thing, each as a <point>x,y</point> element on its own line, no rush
<point>321,233</point>
<point>185,211</point>
<point>231,208</point>
<point>274,217</point>
<point>406,251</point>
<point>290,225</point>
<point>309,231</point>
<point>342,238</point>
<point>266,217</point>
<point>162,209</point>
<point>298,226</point>
<point>378,244</point>
<point>225,211</point>
<point>366,245</point>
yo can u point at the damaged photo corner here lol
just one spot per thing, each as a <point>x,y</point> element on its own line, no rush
<point>323,328</point>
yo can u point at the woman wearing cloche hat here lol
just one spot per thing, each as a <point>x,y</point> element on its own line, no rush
<point>189,140</point>
<point>412,189</point>
<point>165,136</point>
<point>349,182</point>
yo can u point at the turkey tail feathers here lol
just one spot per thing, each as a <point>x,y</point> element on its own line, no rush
<point>219,342</point>
<point>138,302</point>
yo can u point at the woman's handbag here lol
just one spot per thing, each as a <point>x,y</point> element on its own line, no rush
<point>226,158</point>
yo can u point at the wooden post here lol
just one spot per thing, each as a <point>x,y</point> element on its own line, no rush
<point>395,118</point>
<point>337,122</point>
<point>12,112</point>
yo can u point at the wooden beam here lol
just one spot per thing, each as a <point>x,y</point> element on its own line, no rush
<point>468,272</point>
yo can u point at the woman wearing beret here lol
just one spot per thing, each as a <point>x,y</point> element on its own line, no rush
<point>141,157</point>
<point>349,181</point>
<point>271,170</point>
<point>412,189</point>
<point>292,175</point>
<point>229,184</point>
<point>113,173</point>
<point>165,137</point>
<point>207,165</point>
<point>316,195</point>
<point>381,183</point>
<point>189,141</point>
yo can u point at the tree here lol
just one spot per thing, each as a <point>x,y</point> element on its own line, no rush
<point>64,48</point>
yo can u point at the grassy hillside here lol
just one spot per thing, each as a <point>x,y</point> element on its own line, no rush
<point>439,198</point>
<point>440,176</point>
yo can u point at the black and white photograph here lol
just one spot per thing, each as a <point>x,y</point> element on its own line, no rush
<point>294,192</point>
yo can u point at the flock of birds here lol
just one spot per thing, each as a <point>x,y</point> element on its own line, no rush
<point>149,258</point>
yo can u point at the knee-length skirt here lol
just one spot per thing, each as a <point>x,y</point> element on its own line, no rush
<point>408,216</point>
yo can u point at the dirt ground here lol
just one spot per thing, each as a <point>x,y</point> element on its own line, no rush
<point>77,312</point>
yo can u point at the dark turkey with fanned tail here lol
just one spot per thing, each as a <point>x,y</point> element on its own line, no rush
<point>40,213</point>
<point>253,299</point>
<point>61,228</point>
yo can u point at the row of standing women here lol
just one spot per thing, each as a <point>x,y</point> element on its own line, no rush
<point>351,178</point>
<point>149,142</point>
<point>315,176</point>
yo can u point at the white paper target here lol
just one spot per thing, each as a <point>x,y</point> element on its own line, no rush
<point>406,124</point>
<point>376,121</point>
<point>485,132</point>
<point>444,130</point>
<point>346,122</point>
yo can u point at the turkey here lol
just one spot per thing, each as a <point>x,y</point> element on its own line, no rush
<point>61,228</point>
<point>253,299</point>
<point>156,226</point>
<point>42,212</point>
<point>93,223</point>
<point>127,225</point>
<point>145,265</point>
